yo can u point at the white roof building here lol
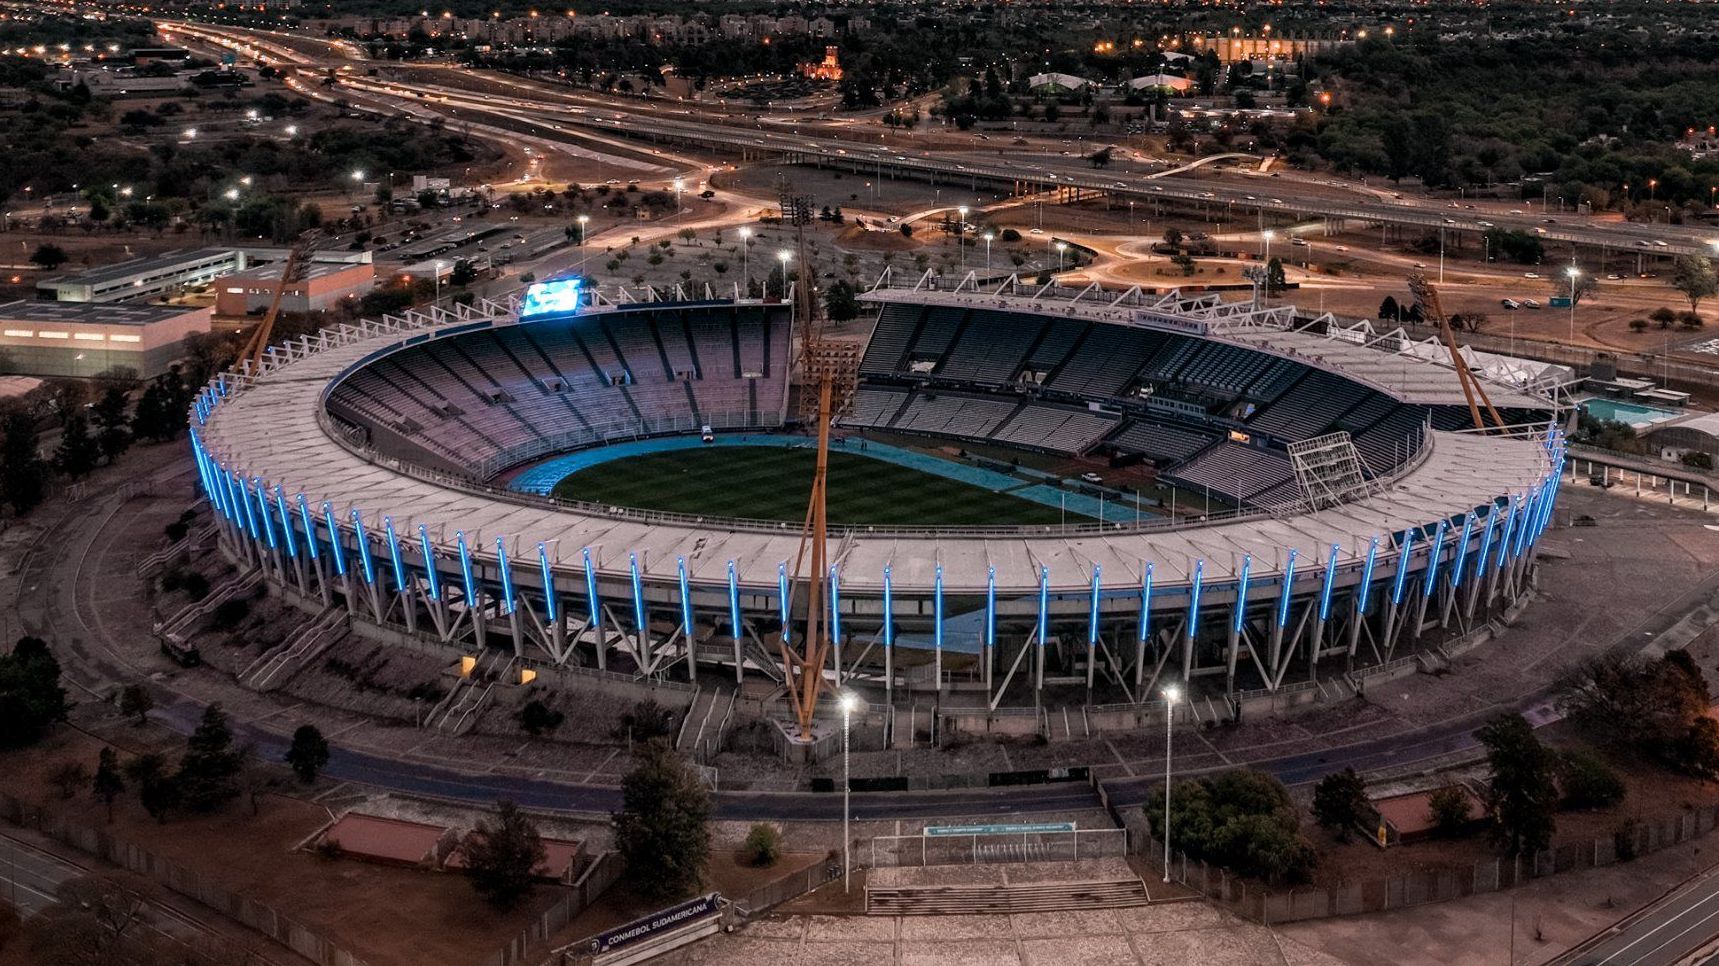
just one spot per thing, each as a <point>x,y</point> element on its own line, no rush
<point>1057,82</point>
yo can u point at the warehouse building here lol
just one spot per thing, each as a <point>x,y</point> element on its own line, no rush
<point>41,338</point>
<point>324,286</point>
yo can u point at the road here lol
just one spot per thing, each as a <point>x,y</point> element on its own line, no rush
<point>29,877</point>
<point>1668,932</point>
<point>449,90</point>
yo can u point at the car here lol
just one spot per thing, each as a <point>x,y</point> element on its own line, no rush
<point>1613,277</point>
<point>1484,224</point>
<point>1298,242</point>
<point>1037,231</point>
<point>1531,303</point>
<point>1342,248</point>
<point>1539,231</point>
<point>1420,264</point>
<point>1530,274</point>
<point>1661,244</point>
<point>1092,478</point>
<point>1510,304</point>
<point>1450,221</point>
<point>1516,211</point>
<point>705,434</point>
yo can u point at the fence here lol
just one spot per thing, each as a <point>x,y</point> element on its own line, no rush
<point>255,915</point>
<point>790,886</point>
<point>998,847</point>
<point>1255,901</point>
<point>591,883</point>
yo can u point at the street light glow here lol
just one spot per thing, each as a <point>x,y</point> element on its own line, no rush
<point>1172,694</point>
<point>850,702</point>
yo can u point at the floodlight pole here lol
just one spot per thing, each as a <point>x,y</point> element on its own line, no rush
<point>847,791</point>
<point>1169,725</point>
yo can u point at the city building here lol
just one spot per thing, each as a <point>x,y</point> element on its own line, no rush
<point>168,273</point>
<point>146,277</point>
<point>41,338</point>
<point>1054,83</point>
<point>325,285</point>
<point>828,69</point>
<point>1174,83</point>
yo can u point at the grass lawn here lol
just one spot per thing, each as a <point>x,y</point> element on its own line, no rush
<point>766,483</point>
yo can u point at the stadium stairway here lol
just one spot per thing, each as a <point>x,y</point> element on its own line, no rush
<point>279,665</point>
<point>1003,898</point>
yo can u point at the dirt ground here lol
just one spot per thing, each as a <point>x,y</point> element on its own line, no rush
<point>427,916</point>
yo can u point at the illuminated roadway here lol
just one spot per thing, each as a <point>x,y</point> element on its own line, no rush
<point>555,110</point>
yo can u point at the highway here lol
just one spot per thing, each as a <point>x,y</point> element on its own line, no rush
<point>1676,929</point>
<point>447,90</point>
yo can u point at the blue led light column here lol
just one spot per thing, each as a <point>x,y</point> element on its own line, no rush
<point>835,588</point>
<point>337,553</point>
<point>1145,629</point>
<point>1323,613</point>
<point>1404,560</point>
<point>686,619</point>
<point>594,610</point>
<point>1238,620</point>
<point>551,607</point>
<point>937,627</point>
<point>1092,629</point>
<point>401,585</point>
<point>313,550</point>
<point>509,601</point>
<point>1193,619</point>
<point>734,629</point>
<point>888,638</point>
<point>1043,631</point>
<point>990,642</point>
<point>367,565</point>
<point>641,619</point>
<point>1281,615</point>
<point>1362,594</point>
<point>1429,580</point>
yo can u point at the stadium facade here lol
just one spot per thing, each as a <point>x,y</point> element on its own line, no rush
<point>358,470</point>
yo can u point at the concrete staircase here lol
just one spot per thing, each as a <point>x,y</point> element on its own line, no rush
<point>969,899</point>
<point>294,654</point>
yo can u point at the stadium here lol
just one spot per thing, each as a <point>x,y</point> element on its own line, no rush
<point>1036,496</point>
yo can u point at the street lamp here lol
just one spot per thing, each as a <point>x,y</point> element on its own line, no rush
<point>1172,694</point>
<point>784,255</point>
<point>1265,238</point>
<point>582,220</point>
<point>1574,274</point>
<point>438,281</point>
<point>850,703</point>
<point>232,194</point>
<point>989,236</point>
<point>1060,248</point>
<point>190,134</point>
<point>960,241</point>
<point>745,250</point>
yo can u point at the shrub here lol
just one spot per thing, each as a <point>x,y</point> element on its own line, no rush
<point>1449,808</point>
<point>1339,800</point>
<point>175,531</point>
<point>1242,820</point>
<point>1586,781</point>
<point>537,718</point>
<point>195,585</point>
<point>646,720</point>
<point>763,845</point>
<point>228,614</point>
<point>1010,236</point>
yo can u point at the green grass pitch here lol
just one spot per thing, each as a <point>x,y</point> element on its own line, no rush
<point>766,483</point>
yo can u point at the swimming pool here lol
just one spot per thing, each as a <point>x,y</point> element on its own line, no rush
<point>1635,414</point>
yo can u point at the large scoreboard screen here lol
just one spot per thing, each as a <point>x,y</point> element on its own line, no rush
<point>554,297</point>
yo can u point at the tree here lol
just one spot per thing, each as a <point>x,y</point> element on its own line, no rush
<point>463,274</point>
<point>538,718</point>
<point>1449,809</point>
<point>502,856</point>
<point>662,830</point>
<point>209,770</point>
<point>1242,820</point>
<point>1389,310</point>
<point>23,475</point>
<point>1694,276</point>
<point>763,845</point>
<point>157,788</point>
<point>135,701</point>
<point>1642,705</point>
<point>50,256</point>
<point>68,777</point>
<point>308,753</point>
<point>841,302</point>
<point>108,784</point>
<point>113,435</point>
<point>1523,793</point>
<point>1340,801</point>
<point>78,452</point>
<point>31,698</point>
<point>1173,236</point>
<point>1274,278</point>
<point>1586,781</point>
